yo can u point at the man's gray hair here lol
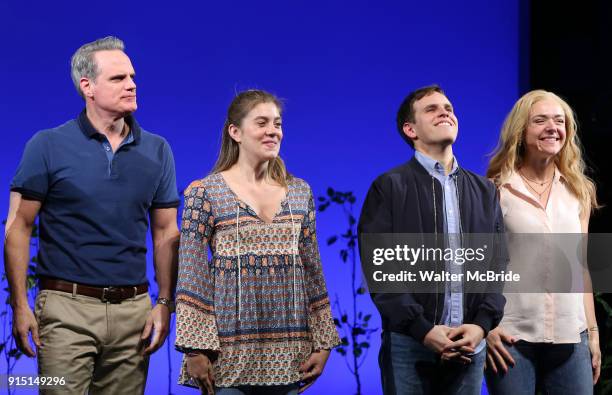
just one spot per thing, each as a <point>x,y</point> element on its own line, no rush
<point>83,64</point>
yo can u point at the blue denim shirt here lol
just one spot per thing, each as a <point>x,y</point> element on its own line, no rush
<point>452,313</point>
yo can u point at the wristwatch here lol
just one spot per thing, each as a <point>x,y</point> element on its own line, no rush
<point>166,302</point>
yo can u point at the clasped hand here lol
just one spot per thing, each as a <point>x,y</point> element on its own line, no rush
<point>454,344</point>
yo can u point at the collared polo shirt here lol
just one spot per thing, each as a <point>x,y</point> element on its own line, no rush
<point>95,204</point>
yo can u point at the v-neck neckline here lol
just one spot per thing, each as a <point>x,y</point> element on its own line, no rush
<point>521,186</point>
<point>536,198</point>
<point>242,203</point>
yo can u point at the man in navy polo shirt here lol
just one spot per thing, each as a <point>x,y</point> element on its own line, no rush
<point>94,182</point>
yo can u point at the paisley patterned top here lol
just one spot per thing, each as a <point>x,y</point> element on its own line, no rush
<point>261,301</point>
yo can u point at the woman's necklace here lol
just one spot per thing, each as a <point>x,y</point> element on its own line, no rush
<point>547,184</point>
<point>541,183</point>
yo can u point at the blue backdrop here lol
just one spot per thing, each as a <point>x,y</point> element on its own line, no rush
<point>342,67</point>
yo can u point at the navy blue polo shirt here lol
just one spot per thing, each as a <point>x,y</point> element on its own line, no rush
<point>94,216</point>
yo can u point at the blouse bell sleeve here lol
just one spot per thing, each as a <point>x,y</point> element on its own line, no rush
<point>320,321</point>
<point>196,327</point>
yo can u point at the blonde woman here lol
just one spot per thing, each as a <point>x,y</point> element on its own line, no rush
<point>547,341</point>
<point>254,319</point>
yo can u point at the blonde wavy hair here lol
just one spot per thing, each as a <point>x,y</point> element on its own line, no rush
<point>509,154</point>
<point>239,108</point>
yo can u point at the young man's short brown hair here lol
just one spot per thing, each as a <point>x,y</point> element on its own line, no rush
<point>406,110</point>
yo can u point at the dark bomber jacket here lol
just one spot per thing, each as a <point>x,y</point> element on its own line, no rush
<point>402,201</point>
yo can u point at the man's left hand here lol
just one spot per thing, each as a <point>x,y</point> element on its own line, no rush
<point>468,337</point>
<point>156,328</point>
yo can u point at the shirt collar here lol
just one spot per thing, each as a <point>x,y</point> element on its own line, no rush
<point>516,182</point>
<point>91,132</point>
<point>432,166</point>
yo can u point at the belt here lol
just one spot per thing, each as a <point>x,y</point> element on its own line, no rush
<point>105,294</point>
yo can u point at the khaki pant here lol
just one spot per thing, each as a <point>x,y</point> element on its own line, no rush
<point>94,345</point>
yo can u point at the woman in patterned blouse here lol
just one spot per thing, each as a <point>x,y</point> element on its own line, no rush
<point>254,319</point>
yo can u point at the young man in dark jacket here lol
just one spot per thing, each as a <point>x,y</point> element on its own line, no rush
<point>433,342</point>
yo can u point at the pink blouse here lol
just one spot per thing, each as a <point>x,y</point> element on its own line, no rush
<point>541,317</point>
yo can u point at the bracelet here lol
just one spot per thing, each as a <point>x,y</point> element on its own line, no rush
<point>593,329</point>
